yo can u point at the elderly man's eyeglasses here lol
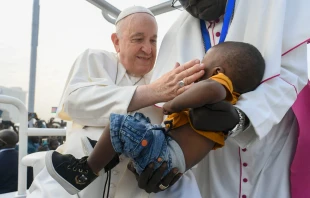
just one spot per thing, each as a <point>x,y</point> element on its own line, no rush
<point>177,4</point>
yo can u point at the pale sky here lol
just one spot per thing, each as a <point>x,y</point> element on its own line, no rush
<point>67,28</point>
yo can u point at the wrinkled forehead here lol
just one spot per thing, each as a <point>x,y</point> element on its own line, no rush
<point>139,22</point>
<point>138,18</point>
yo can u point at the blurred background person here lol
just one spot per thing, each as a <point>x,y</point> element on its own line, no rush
<point>8,161</point>
<point>53,143</point>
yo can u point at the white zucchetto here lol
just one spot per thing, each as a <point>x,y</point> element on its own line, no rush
<point>132,10</point>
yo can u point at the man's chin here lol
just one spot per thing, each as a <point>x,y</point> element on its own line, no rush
<point>144,64</point>
<point>144,70</point>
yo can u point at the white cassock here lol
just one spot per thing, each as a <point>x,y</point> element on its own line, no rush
<point>97,86</point>
<point>255,163</point>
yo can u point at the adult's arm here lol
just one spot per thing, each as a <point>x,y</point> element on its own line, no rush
<point>267,105</point>
<point>264,107</point>
<point>91,95</point>
<point>286,76</point>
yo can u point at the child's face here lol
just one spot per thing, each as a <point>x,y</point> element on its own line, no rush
<point>211,61</point>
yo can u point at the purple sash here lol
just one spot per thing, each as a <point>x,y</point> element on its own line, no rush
<point>300,167</point>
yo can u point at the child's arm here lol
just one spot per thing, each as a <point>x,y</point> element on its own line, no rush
<point>201,93</point>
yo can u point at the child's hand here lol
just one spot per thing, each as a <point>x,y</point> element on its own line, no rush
<point>167,108</point>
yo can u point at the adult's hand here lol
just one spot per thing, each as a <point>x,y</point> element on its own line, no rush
<point>150,179</point>
<point>221,116</point>
<point>167,87</point>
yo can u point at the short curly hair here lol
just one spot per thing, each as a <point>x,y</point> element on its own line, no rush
<point>244,64</point>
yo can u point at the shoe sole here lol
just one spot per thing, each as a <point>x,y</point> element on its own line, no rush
<point>50,168</point>
<point>87,147</point>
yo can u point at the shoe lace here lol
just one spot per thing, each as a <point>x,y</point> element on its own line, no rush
<point>107,181</point>
<point>79,165</point>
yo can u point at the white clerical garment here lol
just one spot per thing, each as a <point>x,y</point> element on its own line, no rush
<point>256,162</point>
<point>97,86</point>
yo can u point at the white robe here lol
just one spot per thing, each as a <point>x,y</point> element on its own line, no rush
<point>97,86</point>
<point>256,162</point>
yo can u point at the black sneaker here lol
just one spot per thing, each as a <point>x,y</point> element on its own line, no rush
<point>72,174</point>
<point>88,146</point>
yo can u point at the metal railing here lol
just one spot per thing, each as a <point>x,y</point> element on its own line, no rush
<point>24,132</point>
<point>110,12</point>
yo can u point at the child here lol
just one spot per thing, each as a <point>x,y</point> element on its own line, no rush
<point>231,69</point>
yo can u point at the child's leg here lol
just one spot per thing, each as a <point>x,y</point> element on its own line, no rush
<point>140,140</point>
<point>194,146</point>
<point>103,152</point>
<point>134,136</point>
<point>76,174</point>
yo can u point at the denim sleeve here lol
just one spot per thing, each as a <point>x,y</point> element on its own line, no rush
<point>136,138</point>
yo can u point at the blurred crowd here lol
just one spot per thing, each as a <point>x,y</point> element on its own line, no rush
<point>44,143</point>
<point>9,148</point>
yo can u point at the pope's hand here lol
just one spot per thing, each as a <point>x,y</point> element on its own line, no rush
<point>168,86</point>
<point>151,179</point>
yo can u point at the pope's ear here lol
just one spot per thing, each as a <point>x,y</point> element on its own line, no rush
<point>115,41</point>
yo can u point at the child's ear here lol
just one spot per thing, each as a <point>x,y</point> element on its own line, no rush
<point>218,70</point>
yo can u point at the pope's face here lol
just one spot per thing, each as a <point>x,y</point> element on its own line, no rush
<point>137,43</point>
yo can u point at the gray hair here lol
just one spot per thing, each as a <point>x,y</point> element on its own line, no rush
<point>118,28</point>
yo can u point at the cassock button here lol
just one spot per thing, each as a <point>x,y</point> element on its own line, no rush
<point>243,196</point>
<point>244,150</point>
<point>245,180</point>
<point>245,164</point>
<point>218,34</point>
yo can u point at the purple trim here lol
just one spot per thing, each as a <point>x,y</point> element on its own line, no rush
<point>288,51</point>
<point>240,183</point>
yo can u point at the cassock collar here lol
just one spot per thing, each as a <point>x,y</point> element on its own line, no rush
<point>120,72</point>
